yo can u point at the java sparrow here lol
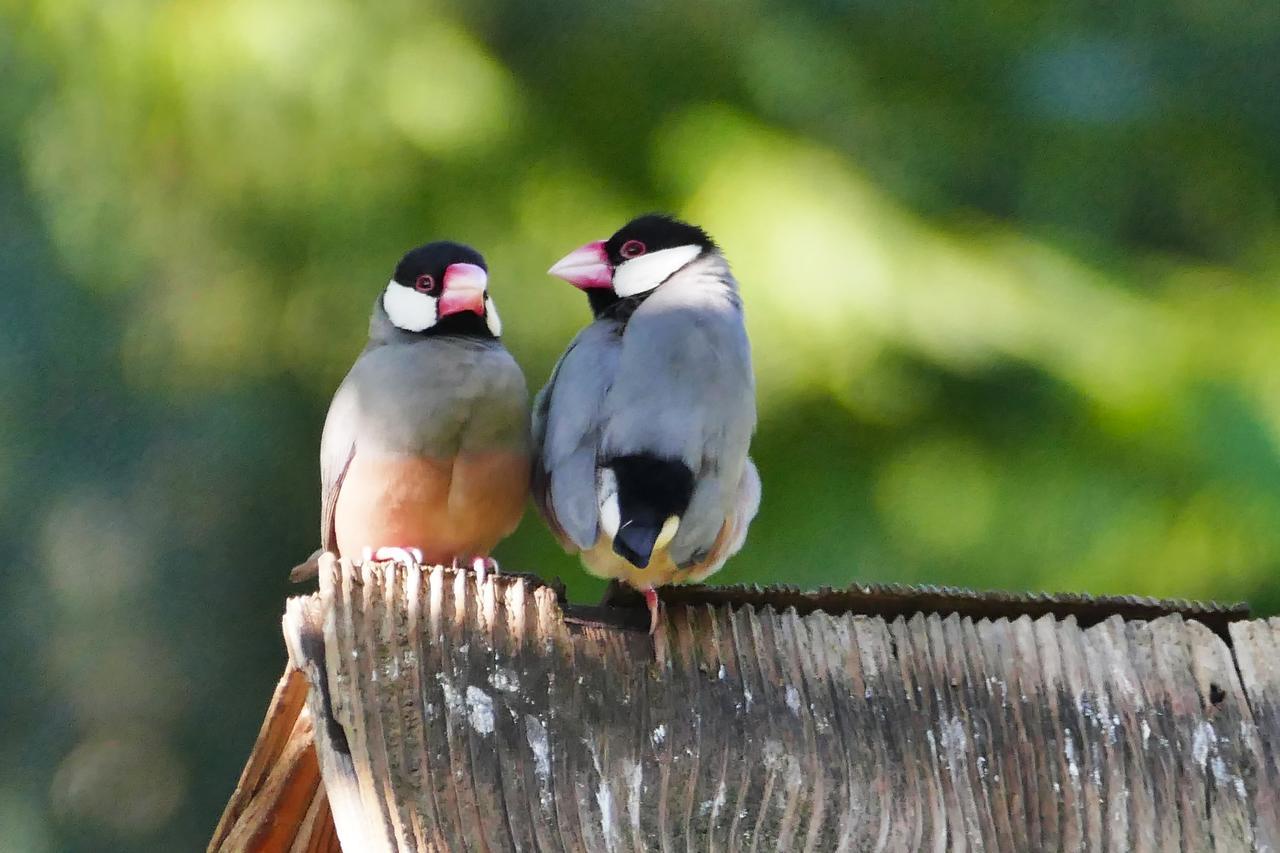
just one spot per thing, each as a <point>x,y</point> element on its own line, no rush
<point>641,434</point>
<point>425,450</point>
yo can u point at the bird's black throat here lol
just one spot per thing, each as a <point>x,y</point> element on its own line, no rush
<point>463,324</point>
<point>607,305</point>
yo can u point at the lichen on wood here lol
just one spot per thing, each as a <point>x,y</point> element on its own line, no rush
<point>472,715</point>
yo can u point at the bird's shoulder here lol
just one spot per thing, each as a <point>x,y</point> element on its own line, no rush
<point>587,364</point>
<point>693,312</point>
<point>566,411</point>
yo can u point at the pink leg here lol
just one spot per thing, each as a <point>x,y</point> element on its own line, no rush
<point>482,566</point>
<point>410,558</point>
<point>651,599</point>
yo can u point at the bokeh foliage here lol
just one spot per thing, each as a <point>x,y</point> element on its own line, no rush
<point>1011,272</point>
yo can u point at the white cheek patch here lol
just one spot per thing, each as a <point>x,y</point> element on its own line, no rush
<point>646,272</point>
<point>408,309</point>
<point>607,497</point>
<point>491,318</point>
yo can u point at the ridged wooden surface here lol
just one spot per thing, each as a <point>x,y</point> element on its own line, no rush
<point>279,804</point>
<point>476,718</point>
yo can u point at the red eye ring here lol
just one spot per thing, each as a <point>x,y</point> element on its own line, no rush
<point>425,284</point>
<point>632,249</point>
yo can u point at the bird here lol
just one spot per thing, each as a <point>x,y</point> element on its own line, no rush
<point>425,454</point>
<point>641,434</point>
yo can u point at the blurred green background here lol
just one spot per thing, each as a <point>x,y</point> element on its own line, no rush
<point>1011,273</point>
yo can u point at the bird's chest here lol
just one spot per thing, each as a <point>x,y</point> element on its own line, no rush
<point>390,499</point>
<point>412,402</point>
<point>446,508</point>
<point>416,424</point>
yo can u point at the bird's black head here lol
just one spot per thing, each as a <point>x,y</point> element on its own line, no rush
<point>653,233</point>
<point>640,255</point>
<point>442,288</point>
<point>433,259</point>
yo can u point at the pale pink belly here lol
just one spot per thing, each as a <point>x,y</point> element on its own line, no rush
<point>448,509</point>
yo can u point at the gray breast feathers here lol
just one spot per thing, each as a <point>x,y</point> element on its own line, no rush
<point>433,397</point>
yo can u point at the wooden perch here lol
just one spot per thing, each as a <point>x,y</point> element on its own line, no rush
<point>279,803</point>
<point>452,715</point>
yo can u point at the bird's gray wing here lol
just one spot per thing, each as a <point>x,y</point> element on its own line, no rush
<point>684,390</point>
<point>337,447</point>
<point>567,427</point>
<point>733,533</point>
<point>538,478</point>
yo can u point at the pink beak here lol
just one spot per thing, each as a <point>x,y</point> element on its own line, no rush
<point>586,267</point>
<point>464,288</point>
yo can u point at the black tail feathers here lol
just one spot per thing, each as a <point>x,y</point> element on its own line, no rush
<point>634,542</point>
<point>650,490</point>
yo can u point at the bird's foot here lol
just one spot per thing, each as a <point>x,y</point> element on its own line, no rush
<point>482,566</point>
<point>410,558</point>
<point>655,611</point>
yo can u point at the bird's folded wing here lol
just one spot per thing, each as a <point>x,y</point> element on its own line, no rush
<point>337,447</point>
<point>538,477</point>
<point>566,429</point>
<point>733,532</point>
<point>684,390</point>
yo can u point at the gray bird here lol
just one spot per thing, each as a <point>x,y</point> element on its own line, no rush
<point>642,432</point>
<point>425,451</point>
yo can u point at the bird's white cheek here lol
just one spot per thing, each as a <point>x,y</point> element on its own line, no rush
<point>491,318</point>
<point>408,309</point>
<point>646,272</point>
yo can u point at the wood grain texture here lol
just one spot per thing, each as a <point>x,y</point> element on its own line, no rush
<point>466,716</point>
<point>279,804</point>
<point>1257,657</point>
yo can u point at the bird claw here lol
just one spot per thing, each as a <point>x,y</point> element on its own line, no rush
<point>482,566</point>
<point>655,612</point>
<point>409,558</point>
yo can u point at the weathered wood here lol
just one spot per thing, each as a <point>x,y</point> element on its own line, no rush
<point>1257,656</point>
<point>306,625</point>
<point>889,601</point>
<point>475,716</point>
<point>279,803</point>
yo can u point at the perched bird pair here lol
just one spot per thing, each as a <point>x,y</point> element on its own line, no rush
<point>637,452</point>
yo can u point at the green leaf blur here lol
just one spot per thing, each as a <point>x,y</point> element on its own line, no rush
<point>1012,275</point>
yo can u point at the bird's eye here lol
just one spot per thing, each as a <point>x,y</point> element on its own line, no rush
<point>425,284</point>
<point>632,249</point>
